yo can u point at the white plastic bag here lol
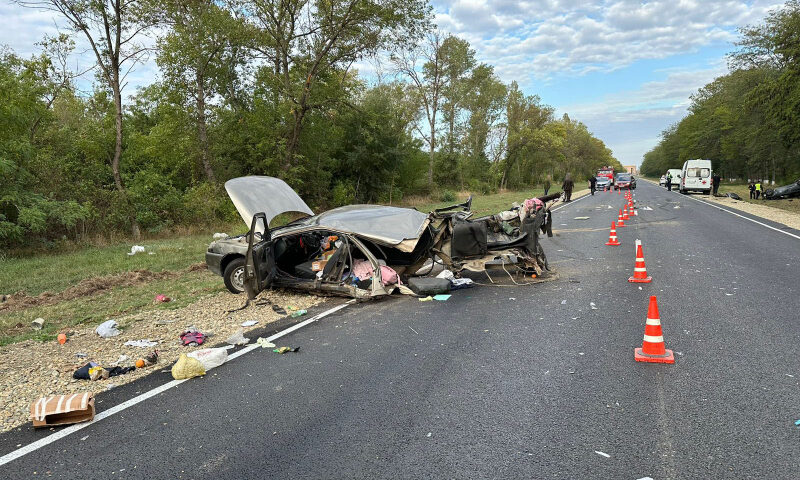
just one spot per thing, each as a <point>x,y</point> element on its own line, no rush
<point>238,338</point>
<point>107,329</point>
<point>136,249</point>
<point>210,357</point>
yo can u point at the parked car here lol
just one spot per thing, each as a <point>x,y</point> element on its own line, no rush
<point>696,176</point>
<point>662,181</point>
<point>624,180</point>
<point>786,191</point>
<point>603,183</point>
<point>345,251</point>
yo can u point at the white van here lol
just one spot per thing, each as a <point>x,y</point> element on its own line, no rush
<point>696,176</point>
<point>676,176</point>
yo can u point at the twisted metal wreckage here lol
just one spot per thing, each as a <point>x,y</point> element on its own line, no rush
<point>364,251</point>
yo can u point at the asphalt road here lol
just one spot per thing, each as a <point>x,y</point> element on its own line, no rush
<point>502,381</point>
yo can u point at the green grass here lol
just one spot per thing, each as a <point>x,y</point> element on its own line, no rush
<point>95,309</point>
<point>55,272</point>
<point>791,205</point>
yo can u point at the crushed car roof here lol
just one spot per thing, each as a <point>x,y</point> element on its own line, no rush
<point>254,194</point>
<point>387,225</point>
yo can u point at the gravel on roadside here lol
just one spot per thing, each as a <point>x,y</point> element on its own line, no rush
<point>33,369</point>
<point>790,219</point>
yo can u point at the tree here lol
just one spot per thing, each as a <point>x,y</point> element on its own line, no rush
<point>111,27</point>
<point>196,58</point>
<point>525,119</point>
<point>458,60</point>
<point>484,104</point>
<point>427,87</point>
<point>304,39</point>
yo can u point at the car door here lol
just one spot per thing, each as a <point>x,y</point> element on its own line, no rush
<point>260,268</point>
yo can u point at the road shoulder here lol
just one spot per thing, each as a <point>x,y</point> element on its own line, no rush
<point>765,212</point>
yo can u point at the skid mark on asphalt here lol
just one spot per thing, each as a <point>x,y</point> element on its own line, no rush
<point>665,442</point>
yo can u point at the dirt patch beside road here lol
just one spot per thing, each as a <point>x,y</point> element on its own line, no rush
<point>32,369</point>
<point>91,286</point>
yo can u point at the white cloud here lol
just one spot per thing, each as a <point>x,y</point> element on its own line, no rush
<point>575,37</point>
<point>629,122</point>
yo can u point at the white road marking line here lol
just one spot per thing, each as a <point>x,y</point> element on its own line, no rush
<point>570,203</point>
<point>31,447</point>
<point>741,216</point>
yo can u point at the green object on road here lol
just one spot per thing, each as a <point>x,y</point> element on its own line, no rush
<point>441,297</point>
<point>299,313</point>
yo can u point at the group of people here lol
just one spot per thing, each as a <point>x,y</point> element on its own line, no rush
<point>756,190</point>
<point>567,186</point>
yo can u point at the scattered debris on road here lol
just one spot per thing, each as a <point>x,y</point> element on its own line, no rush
<point>249,323</point>
<point>187,367</point>
<point>210,357</point>
<point>283,350</point>
<point>603,454</point>
<point>265,343</point>
<point>62,409</point>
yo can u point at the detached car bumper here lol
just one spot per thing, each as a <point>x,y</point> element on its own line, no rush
<point>214,262</point>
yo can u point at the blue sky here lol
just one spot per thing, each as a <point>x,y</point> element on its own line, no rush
<point>624,68</point>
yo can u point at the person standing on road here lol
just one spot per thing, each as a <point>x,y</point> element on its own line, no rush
<point>567,187</point>
<point>758,189</point>
<point>715,179</point>
<point>752,187</point>
<point>546,184</point>
<point>669,181</point>
<point>592,184</point>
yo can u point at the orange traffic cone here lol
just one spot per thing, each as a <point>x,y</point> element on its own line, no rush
<point>612,236</point>
<point>625,213</point>
<point>620,220</point>
<point>653,349</point>
<point>619,191</point>
<point>639,270</point>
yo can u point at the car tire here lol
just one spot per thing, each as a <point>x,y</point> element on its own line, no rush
<point>234,276</point>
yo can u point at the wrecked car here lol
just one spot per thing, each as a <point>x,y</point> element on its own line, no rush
<point>787,191</point>
<point>364,251</point>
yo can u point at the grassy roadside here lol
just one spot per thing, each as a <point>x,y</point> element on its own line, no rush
<point>790,204</point>
<point>56,272</point>
<point>183,289</point>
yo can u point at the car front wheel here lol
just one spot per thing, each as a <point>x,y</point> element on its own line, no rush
<point>234,276</point>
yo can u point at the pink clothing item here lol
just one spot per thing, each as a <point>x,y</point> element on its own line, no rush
<point>389,276</point>
<point>362,269</point>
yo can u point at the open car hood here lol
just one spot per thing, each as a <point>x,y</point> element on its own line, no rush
<point>270,195</point>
